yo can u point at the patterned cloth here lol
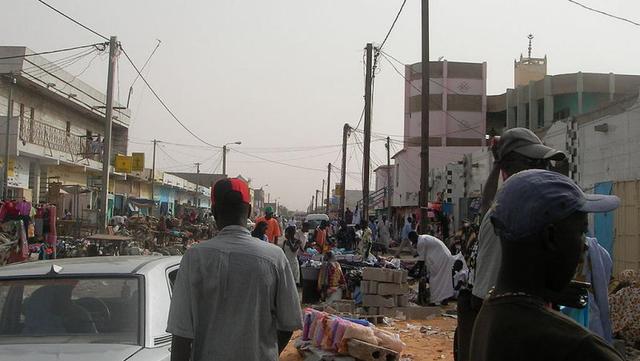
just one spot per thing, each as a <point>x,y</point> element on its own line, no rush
<point>625,307</point>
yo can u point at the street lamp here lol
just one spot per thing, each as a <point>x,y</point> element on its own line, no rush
<point>224,156</point>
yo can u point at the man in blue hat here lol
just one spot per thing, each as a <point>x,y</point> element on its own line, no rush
<point>516,150</point>
<point>541,220</point>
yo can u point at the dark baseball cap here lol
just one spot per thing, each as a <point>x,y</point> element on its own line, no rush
<point>524,142</point>
<point>230,190</point>
<point>532,199</point>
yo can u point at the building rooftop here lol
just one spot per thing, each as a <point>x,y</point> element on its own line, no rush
<point>49,79</point>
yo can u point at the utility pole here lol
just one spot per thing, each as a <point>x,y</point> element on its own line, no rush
<point>424,124</point>
<point>367,133</point>
<point>5,174</point>
<point>314,204</point>
<point>322,194</point>
<point>316,198</point>
<point>389,186</point>
<point>343,171</point>
<point>153,173</point>
<point>197,200</point>
<point>224,159</point>
<point>328,187</point>
<point>106,153</point>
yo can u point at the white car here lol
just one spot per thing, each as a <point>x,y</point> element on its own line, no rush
<point>89,309</point>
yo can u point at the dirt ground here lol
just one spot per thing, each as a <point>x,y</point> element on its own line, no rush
<point>434,343</point>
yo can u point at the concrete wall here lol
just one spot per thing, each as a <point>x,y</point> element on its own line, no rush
<point>611,155</point>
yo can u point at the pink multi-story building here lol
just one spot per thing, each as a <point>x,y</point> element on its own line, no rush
<point>457,111</point>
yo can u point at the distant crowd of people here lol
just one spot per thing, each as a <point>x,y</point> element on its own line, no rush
<point>526,261</point>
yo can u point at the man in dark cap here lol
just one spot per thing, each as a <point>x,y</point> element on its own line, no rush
<point>516,150</point>
<point>541,219</point>
<point>235,297</point>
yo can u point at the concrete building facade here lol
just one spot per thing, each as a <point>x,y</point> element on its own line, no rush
<point>457,111</point>
<point>56,126</point>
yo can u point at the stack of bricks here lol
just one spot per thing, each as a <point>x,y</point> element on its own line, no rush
<point>384,290</point>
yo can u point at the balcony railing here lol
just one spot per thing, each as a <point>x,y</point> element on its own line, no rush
<point>52,138</point>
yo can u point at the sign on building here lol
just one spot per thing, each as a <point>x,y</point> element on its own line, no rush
<point>137,162</point>
<point>123,163</point>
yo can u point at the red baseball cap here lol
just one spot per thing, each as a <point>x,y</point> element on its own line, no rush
<point>224,187</point>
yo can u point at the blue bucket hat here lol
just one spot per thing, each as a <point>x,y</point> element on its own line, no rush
<point>532,199</point>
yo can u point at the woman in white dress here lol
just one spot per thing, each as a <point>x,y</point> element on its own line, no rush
<point>291,246</point>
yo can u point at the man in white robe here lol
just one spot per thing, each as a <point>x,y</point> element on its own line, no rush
<point>439,263</point>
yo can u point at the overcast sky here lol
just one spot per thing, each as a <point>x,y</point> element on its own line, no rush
<point>282,74</point>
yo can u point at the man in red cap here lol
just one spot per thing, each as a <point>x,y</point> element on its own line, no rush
<point>235,297</point>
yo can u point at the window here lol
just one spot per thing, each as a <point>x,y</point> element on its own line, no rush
<point>540,113</point>
<point>561,114</point>
<point>68,127</point>
<point>171,276</point>
<point>70,310</point>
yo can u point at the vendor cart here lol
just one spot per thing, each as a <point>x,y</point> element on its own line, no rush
<point>109,243</point>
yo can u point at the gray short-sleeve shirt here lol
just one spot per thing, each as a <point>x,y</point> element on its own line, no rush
<point>488,260</point>
<point>232,294</point>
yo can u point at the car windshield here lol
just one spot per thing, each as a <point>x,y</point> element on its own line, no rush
<point>70,310</point>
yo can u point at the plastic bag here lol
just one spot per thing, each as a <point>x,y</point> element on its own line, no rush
<point>357,332</point>
<point>389,340</point>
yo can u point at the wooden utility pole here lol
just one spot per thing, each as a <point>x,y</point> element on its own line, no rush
<point>328,187</point>
<point>343,171</point>
<point>322,194</point>
<point>367,133</point>
<point>196,202</point>
<point>315,202</point>
<point>424,124</point>
<point>224,159</point>
<point>108,120</point>
<point>153,173</point>
<point>5,168</point>
<point>389,186</point>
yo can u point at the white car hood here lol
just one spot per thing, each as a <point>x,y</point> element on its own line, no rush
<point>67,352</point>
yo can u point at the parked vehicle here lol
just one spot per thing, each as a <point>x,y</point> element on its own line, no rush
<point>91,308</point>
<point>315,219</point>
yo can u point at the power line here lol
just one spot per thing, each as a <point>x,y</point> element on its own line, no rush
<point>73,20</point>
<point>361,117</point>
<point>146,62</point>
<point>392,25</point>
<point>60,64</point>
<point>605,13</point>
<point>277,162</point>
<point>162,101</point>
<point>52,51</point>
<point>83,70</point>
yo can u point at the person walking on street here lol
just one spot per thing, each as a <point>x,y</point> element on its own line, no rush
<point>273,225</point>
<point>541,246</point>
<point>367,239</point>
<point>231,288</point>
<point>348,216</point>
<point>516,150</point>
<point>302,235</point>
<point>439,264</point>
<point>291,248</point>
<point>384,233</point>
<point>320,237</point>
<point>404,237</point>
